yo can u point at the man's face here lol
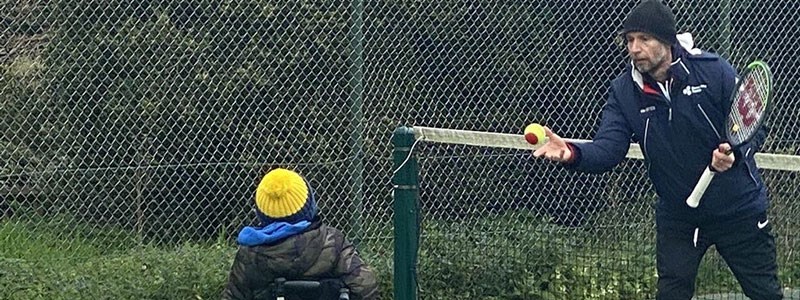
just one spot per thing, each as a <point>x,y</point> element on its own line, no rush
<point>648,53</point>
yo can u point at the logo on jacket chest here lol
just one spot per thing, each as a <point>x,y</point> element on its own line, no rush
<point>647,109</point>
<point>690,90</point>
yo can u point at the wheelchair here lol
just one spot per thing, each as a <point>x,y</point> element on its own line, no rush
<point>324,289</point>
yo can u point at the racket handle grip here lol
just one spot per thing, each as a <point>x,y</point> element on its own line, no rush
<point>694,199</point>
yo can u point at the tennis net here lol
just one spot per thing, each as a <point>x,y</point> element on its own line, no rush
<point>475,215</point>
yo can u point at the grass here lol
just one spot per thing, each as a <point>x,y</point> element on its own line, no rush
<point>62,259</point>
<point>505,256</point>
<point>48,263</point>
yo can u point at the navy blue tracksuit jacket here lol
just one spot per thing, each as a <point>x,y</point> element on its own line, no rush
<point>677,135</point>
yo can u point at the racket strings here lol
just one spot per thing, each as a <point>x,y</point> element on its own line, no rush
<point>737,130</point>
<point>745,117</point>
<point>762,83</point>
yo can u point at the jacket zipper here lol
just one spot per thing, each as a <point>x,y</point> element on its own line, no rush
<point>666,94</point>
<point>747,164</point>
<point>709,121</point>
<point>644,142</point>
<point>646,131</point>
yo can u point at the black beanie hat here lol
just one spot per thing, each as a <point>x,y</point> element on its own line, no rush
<point>653,17</point>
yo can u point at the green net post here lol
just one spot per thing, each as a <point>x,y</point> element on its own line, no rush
<point>406,214</point>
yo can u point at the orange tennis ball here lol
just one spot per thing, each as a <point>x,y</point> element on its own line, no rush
<point>534,133</point>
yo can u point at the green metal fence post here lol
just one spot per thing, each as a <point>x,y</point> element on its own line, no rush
<point>406,214</point>
<point>356,35</point>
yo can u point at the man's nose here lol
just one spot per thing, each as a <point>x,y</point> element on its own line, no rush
<point>634,46</point>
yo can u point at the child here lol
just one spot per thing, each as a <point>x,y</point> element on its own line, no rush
<point>292,242</point>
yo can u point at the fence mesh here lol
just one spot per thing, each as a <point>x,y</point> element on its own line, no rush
<point>524,233</point>
<point>132,123</point>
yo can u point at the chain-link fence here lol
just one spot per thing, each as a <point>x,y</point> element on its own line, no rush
<point>507,224</point>
<point>148,123</point>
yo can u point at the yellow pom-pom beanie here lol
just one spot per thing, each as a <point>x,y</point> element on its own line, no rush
<point>285,196</point>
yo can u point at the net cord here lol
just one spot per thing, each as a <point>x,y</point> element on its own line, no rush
<point>769,161</point>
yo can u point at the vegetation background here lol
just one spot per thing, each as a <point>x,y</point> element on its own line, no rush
<point>133,134</point>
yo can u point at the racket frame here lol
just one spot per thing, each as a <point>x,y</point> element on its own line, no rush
<point>705,179</point>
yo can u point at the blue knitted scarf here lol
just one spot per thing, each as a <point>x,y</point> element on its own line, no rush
<point>254,236</point>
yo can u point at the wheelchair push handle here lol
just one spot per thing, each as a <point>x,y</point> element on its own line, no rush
<point>284,287</point>
<point>300,285</point>
<point>344,294</point>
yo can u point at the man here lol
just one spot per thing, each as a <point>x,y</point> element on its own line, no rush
<point>293,243</point>
<point>673,101</point>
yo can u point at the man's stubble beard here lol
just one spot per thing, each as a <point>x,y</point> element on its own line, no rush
<point>651,65</point>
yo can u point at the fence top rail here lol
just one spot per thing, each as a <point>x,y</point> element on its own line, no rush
<point>770,161</point>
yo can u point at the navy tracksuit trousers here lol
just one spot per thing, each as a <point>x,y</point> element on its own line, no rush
<point>746,245</point>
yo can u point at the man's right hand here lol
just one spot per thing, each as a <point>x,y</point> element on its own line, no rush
<point>721,158</point>
<point>555,149</point>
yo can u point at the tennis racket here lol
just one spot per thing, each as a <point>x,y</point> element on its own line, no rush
<point>749,109</point>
